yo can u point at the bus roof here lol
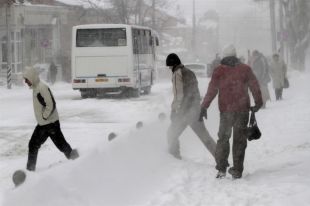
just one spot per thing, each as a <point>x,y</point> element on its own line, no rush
<point>97,26</point>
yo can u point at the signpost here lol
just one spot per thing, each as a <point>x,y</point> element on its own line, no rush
<point>9,46</point>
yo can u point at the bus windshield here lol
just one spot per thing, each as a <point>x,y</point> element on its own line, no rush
<point>111,37</point>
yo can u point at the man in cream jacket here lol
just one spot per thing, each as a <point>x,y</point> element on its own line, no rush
<point>185,107</point>
<point>47,118</point>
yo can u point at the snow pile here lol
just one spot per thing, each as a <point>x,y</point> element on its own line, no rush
<point>114,174</point>
<point>134,168</point>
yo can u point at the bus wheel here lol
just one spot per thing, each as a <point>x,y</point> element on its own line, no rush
<point>147,90</point>
<point>84,95</point>
<point>135,92</point>
<point>92,93</point>
<point>88,94</point>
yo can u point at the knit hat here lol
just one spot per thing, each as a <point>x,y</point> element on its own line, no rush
<point>229,50</point>
<point>173,60</point>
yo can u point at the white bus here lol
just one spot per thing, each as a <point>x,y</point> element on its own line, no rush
<point>113,58</point>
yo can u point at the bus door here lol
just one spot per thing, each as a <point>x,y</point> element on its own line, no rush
<point>136,51</point>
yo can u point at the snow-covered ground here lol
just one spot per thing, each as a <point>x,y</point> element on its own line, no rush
<point>135,169</point>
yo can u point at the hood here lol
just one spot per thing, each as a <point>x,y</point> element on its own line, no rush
<point>231,61</point>
<point>32,75</point>
<point>229,50</point>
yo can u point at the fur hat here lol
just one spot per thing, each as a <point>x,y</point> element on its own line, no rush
<point>173,60</point>
<point>229,50</point>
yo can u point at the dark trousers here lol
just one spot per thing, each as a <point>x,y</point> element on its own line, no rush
<point>39,136</point>
<point>238,123</point>
<point>278,93</point>
<point>179,124</point>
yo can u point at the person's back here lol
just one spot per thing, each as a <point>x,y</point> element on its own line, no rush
<point>215,63</point>
<point>231,80</point>
<point>190,89</point>
<point>278,72</point>
<point>261,71</point>
<point>258,68</point>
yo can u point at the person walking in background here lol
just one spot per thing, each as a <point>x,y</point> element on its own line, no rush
<point>260,68</point>
<point>278,71</point>
<point>214,64</point>
<point>231,81</point>
<point>47,118</point>
<point>53,72</point>
<point>185,107</point>
<point>242,59</point>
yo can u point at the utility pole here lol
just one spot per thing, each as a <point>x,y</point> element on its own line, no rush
<point>153,13</point>
<point>282,35</point>
<point>194,28</point>
<point>8,44</point>
<point>273,25</point>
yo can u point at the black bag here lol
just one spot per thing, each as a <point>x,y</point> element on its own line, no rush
<point>253,131</point>
<point>286,83</point>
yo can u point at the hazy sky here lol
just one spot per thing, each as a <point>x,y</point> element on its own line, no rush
<point>244,23</point>
<point>224,7</point>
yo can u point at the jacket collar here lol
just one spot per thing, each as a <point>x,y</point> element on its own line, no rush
<point>231,61</point>
<point>177,67</point>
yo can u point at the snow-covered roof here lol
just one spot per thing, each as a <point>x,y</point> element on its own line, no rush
<point>84,3</point>
<point>108,26</point>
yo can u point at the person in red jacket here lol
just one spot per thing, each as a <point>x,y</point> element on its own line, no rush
<point>231,80</point>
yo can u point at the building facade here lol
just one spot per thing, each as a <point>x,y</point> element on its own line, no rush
<point>35,36</point>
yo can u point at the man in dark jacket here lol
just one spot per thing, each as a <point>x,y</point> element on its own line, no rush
<point>185,107</point>
<point>231,81</point>
<point>260,66</point>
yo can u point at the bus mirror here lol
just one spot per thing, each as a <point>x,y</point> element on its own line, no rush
<point>157,41</point>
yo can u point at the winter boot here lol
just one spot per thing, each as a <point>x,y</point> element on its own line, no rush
<point>221,174</point>
<point>74,154</point>
<point>234,173</point>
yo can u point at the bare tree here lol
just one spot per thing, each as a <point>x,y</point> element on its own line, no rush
<point>296,21</point>
<point>141,12</point>
<point>294,29</point>
<point>95,12</point>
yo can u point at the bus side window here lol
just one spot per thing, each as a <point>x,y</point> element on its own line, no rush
<point>135,41</point>
<point>157,41</point>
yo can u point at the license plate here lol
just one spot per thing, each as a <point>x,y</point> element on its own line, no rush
<point>102,80</point>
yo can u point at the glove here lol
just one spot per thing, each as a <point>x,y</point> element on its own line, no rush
<point>203,114</point>
<point>255,108</point>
